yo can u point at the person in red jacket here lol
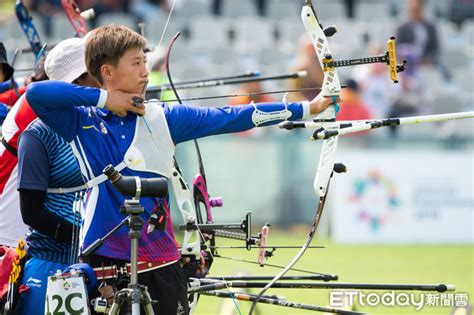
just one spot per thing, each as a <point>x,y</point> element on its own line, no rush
<point>18,118</point>
<point>353,106</point>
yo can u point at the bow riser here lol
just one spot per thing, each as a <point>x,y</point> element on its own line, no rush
<point>201,195</point>
<point>331,84</point>
<point>192,240</point>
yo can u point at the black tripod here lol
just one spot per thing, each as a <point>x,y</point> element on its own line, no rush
<point>135,294</point>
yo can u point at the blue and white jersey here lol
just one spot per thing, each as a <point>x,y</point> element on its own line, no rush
<point>100,138</point>
<point>50,164</point>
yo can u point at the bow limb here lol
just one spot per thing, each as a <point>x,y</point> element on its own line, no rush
<point>191,243</point>
<point>331,88</point>
<point>31,33</point>
<point>75,17</point>
<point>201,195</point>
<point>167,66</point>
<point>192,238</point>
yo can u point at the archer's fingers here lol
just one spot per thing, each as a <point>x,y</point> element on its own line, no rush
<point>138,106</point>
<point>139,110</point>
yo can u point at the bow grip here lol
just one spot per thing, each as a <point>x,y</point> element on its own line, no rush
<point>336,105</point>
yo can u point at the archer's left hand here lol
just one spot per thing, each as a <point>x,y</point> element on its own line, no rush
<point>320,103</point>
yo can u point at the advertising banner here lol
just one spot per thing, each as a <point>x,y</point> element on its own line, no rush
<point>404,196</point>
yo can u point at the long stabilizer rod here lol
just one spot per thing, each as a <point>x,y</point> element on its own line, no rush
<point>322,285</point>
<point>265,278</point>
<point>278,302</point>
<point>374,124</point>
<point>344,127</point>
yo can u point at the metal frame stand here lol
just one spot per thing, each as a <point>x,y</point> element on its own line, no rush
<point>135,294</point>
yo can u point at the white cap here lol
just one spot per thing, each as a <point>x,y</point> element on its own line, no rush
<point>66,61</point>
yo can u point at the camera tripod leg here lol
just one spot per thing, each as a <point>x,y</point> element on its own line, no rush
<point>119,299</point>
<point>137,295</point>
<point>146,301</point>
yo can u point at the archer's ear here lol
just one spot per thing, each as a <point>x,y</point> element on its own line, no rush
<point>106,72</point>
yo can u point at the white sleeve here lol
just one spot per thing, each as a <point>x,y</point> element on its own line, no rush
<point>306,110</point>
<point>102,98</point>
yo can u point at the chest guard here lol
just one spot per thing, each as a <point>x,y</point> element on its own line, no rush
<point>152,148</point>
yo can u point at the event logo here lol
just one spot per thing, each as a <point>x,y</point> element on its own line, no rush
<point>66,285</point>
<point>375,198</point>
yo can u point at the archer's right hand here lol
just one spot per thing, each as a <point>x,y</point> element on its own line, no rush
<point>120,103</point>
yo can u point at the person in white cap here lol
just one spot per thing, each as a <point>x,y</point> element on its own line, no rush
<point>45,161</point>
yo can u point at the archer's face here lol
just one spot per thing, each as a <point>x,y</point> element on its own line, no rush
<point>130,75</point>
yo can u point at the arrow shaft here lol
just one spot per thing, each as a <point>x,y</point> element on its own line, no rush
<point>248,74</point>
<point>243,94</point>
<point>212,83</point>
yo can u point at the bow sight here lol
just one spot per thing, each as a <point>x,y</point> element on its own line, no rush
<point>389,58</point>
<point>236,231</point>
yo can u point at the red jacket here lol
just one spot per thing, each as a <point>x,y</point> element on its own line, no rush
<point>10,97</point>
<point>350,111</point>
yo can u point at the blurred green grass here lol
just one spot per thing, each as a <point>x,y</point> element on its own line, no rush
<point>400,264</point>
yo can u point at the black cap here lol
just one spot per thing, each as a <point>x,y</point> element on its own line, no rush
<point>352,84</point>
<point>7,69</point>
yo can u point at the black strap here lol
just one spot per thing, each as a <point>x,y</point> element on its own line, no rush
<point>9,148</point>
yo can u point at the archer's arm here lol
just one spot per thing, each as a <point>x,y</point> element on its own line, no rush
<point>57,104</point>
<point>192,122</point>
<point>33,176</point>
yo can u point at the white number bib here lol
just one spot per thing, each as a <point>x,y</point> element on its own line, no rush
<point>66,295</point>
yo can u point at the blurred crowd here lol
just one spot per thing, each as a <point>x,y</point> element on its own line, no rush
<point>435,37</point>
<point>457,10</point>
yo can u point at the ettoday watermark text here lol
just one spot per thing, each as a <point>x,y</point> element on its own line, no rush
<point>399,299</point>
